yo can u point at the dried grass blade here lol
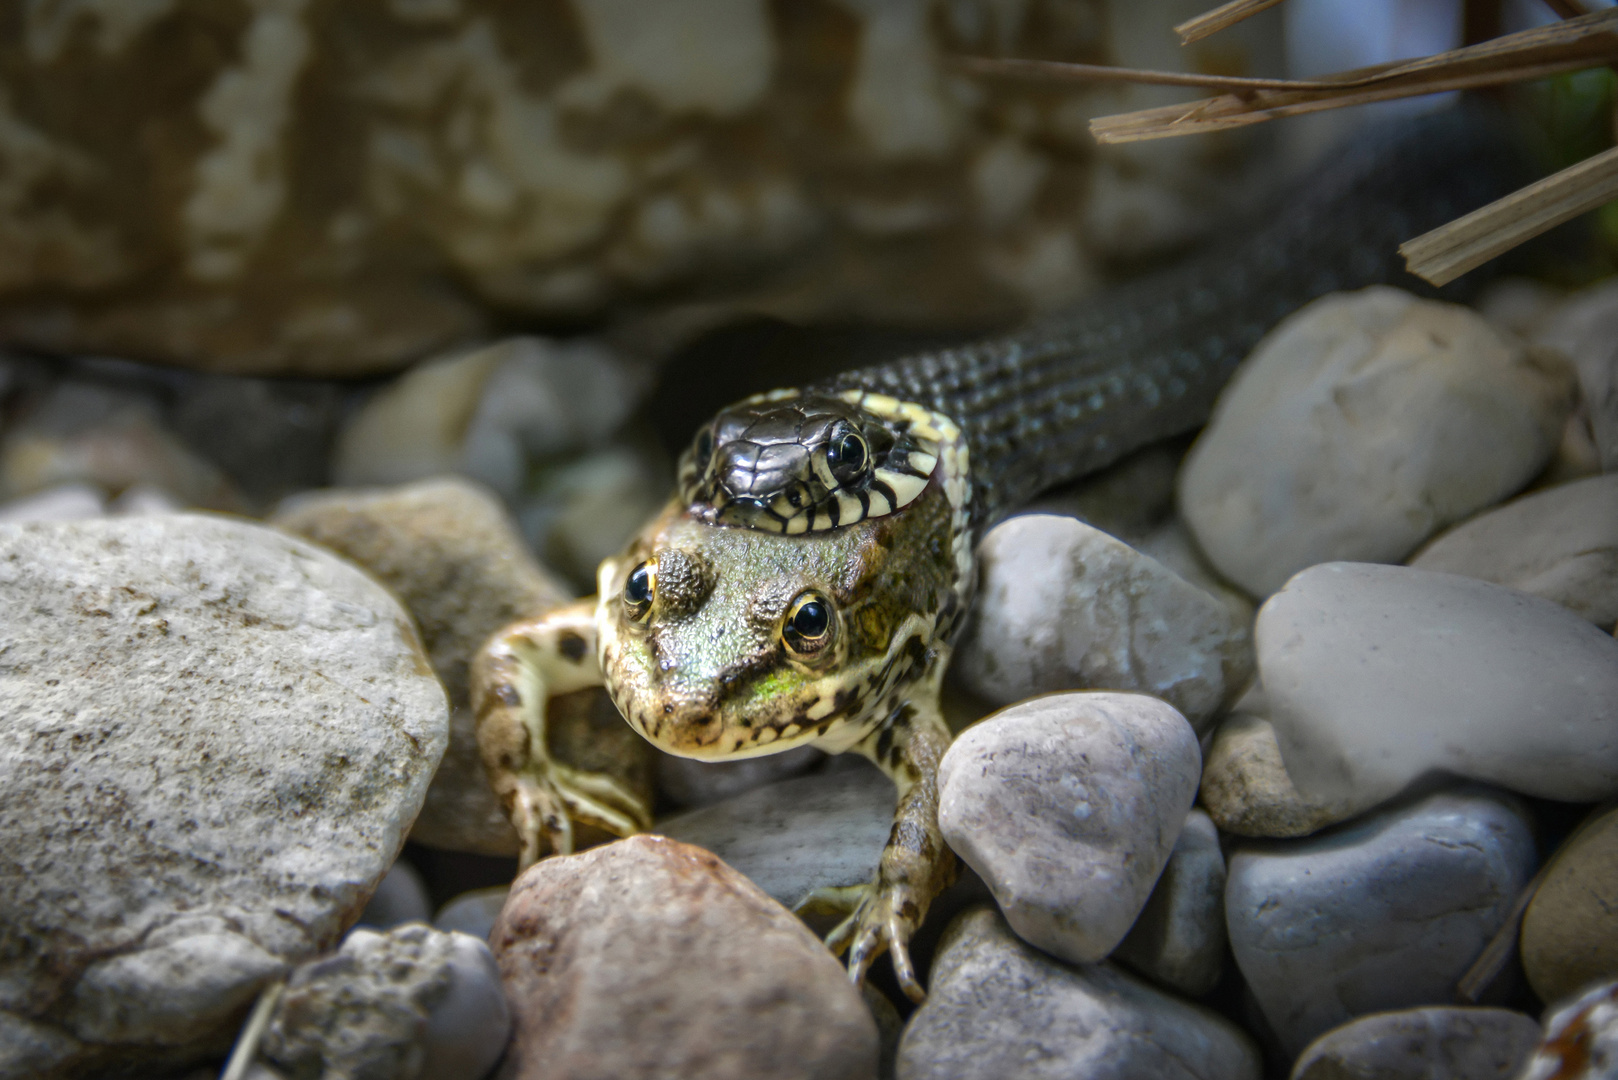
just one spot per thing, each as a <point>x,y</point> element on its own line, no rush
<point>1211,22</point>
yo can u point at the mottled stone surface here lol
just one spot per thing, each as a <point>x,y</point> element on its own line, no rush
<point>1384,913</point>
<point>794,836</point>
<point>1362,425</point>
<point>1570,930</point>
<point>691,783</point>
<point>1068,807</point>
<point>410,1004</point>
<point>1246,788</point>
<point>1376,675</point>
<point>1585,328</point>
<point>652,958</point>
<point>1437,1043</point>
<point>1064,606</point>
<point>1580,1040</point>
<point>313,186</point>
<point>1560,543</point>
<point>213,738</point>
<point>997,1008</point>
<point>1178,939</point>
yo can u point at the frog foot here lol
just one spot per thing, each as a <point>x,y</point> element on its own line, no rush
<point>548,799</point>
<point>881,916</point>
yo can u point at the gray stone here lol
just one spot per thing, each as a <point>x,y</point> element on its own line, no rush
<point>473,912</point>
<point>1585,328</point>
<point>1581,1039</point>
<point>585,510</point>
<point>400,898</point>
<point>792,837</point>
<point>1362,425</point>
<point>1179,938</point>
<point>1068,807</point>
<point>1064,606</point>
<point>410,1004</point>
<point>997,1008</point>
<point>1375,676</point>
<point>66,502</point>
<point>1385,913</point>
<point>213,737</point>
<point>690,783</point>
<point>652,958</point>
<point>1436,1043</point>
<point>1560,543</point>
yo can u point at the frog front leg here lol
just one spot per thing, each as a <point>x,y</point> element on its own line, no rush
<point>513,678</point>
<point>916,864</point>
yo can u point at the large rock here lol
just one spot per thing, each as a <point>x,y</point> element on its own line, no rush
<point>213,738</point>
<point>1560,543</point>
<point>1570,930</point>
<point>448,549</point>
<point>309,186</point>
<point>1362,425</point>
<point>1064,606</point>
<point>651,958</point>
<point>1422,1044</point>
<point>1377,675</point>
<point>1068,807</point>
<point>1179,938</point>
<point>1385,913</point>
<point>998,1008</point>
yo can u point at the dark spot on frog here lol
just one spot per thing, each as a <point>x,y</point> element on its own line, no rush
<point>572,645</point>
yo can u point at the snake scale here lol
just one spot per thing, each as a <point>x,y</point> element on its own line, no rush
<point>806,581</point>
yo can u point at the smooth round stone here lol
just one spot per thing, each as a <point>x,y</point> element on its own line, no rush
<point>1437,1043</point>
<point>213,737</point>
<point>1585,329</point>
<point>1377,675</point>
<point>1068,807</point>
<point>1387,912</point>
<point>1246,789</point>
<point>794,836</point>
<point>473,912</point>
<point>1179,938</point>
<point>1581,1039</point>
<point>65,502</point>
<point>412,1002</point>
<point>690,783</point>
<point>401,897</point>
<point>997,1008</point>
<point>1570,930</point>
<point>1362,425</point>
<point>1560,543</point>
<point>1064,606</point>
<point>652,958</point>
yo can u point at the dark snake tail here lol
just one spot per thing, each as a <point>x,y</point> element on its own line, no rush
<point>1074,392</point>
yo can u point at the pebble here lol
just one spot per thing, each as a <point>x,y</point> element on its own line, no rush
<point>473,912</point>
<point>1585,328</point>
<point>1179,938</point>
<point>689,783</point>
<point>1246,788</point>
<point>1570,930</point>
<point>400,897</point>
<point>1560,543</point>
<point>410,1003</point>
<point>794,836</point>
<point>1064,606</point>
<point>65,502</point>
<point>997,1008</point>
<point>1435,1043</point>
<point>1387,912</point>
<point>215,736</point>
<point>652,958</point>
<point>1378,675</point>
<point>1068,807</point>
<point>450,552</point>
<point>1362,425</point>
<point>1580,1041</point>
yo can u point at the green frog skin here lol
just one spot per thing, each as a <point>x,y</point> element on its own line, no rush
<point>805,583</point>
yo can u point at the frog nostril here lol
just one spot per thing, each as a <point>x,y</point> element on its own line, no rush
<point>667,709</point>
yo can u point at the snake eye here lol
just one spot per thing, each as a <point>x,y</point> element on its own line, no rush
<point>808,626</point>
<point>846,453</point>
<point>639,589</point>
<point>704,449</point>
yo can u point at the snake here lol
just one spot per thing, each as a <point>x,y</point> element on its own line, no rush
<point>806,581</point>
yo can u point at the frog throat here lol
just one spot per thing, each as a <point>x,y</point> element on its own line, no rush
<point>792,462</point>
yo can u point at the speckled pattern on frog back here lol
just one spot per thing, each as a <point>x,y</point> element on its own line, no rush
<point>806,582</point>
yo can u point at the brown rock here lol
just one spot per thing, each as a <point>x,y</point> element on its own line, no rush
<point>1245,786</point>
<point>311,186</point>
<point>652,958</point>
<point>449,551</point>
<point>1570,931</point>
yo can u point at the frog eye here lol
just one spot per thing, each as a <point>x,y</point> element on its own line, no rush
<point>639,588</point>
<point>846,453</point>
<point>808,627</point>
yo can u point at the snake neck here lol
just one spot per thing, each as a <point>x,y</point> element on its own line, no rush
<point>1074,392</point>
